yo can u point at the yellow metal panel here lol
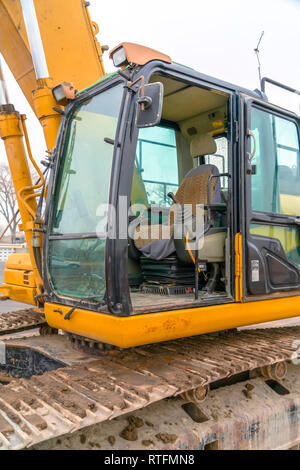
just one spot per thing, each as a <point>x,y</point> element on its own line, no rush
<point>19,293</point>
<point>152,328</point>
<point>19,261</point>
<point>19,278</point>
<point>69,42</point>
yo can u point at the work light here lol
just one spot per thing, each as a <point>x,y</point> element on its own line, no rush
<point>119,57</point>
<point>63,93</point>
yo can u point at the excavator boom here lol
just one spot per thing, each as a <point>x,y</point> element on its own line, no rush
<point>69,40</point>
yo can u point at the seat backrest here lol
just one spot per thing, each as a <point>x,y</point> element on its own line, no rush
<point>194,188</point>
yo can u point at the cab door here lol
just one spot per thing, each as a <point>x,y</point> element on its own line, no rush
<point>272,200</point>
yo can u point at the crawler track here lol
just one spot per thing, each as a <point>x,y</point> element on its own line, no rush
<point>21,320</point>
<point>74,397</point>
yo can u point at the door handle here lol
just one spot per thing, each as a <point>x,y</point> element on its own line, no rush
<point>251,155</point>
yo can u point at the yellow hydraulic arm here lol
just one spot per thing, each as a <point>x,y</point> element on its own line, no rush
<point>71,50</point>
<point>66,50</point>
<point>69,39</point>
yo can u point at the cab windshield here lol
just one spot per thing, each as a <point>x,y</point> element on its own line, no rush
<point>77,240</point>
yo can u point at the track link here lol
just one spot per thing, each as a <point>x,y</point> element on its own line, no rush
<point>21,320</point>
<point>75,397</point>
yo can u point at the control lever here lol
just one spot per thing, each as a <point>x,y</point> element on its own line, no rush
<point>174,199</point>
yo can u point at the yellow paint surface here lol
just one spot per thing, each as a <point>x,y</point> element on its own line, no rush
<point>151,328</point>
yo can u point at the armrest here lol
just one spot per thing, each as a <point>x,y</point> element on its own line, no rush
<point>219,207</point>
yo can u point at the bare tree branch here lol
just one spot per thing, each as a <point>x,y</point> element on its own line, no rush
<point>8,200</point>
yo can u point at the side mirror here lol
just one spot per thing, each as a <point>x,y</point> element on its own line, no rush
<point>149,105</point>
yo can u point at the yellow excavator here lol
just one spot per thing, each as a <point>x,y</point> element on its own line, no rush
<point>166,217</point>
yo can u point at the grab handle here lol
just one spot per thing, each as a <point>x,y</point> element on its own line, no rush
<point>251,155</point>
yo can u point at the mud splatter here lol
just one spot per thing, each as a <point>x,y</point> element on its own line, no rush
<point>166,438</point>
<point>111,440</point>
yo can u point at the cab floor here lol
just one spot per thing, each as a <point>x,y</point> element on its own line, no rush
<point>148,303</point>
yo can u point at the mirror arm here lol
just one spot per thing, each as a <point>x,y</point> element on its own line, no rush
<point>131,84</point>
<point>145,102</point>
<point>125,74</point>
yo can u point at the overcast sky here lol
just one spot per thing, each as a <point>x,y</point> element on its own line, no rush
<point>216,37</point>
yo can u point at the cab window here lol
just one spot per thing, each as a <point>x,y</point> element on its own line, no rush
<point>220,159</point>
<point>156,167</point>
<point>275,184</point>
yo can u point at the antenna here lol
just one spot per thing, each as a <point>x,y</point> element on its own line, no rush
<point>257,51</point>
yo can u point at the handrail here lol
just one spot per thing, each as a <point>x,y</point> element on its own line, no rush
<point>278,84</point>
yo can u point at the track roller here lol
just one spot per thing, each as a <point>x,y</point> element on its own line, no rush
<point>276,371</point>
<point>197,395</point>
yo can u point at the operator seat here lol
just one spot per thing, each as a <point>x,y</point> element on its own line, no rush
<point>157,241</point>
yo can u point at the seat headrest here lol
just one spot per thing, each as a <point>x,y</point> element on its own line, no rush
<point>203,145</point>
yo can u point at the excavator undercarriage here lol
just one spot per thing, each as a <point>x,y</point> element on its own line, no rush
<point>21,320</point>
<point>220,382</point>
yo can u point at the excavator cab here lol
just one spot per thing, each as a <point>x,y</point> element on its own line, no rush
<point>184,157</point>
<point>147,203</point>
